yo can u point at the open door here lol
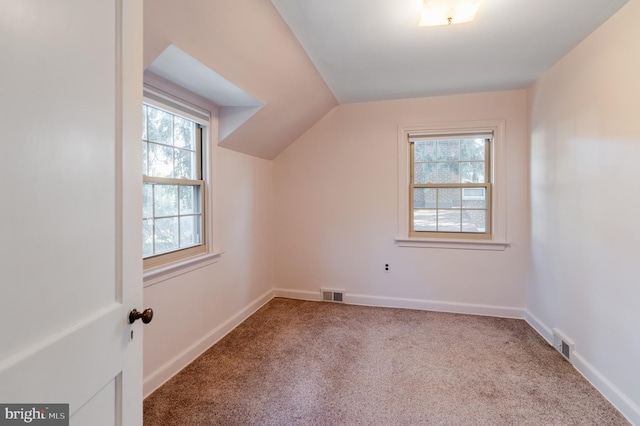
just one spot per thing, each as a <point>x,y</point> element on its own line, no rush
<point>70,197</point>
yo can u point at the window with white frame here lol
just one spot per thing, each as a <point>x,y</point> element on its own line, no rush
<point>173,212</point>
<point>451,185</point>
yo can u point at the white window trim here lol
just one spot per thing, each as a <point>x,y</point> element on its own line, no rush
<point>187,100</point>
<point>166,272</point>
<point>498,239</point>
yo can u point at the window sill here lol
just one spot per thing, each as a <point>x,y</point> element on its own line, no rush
<point>166,272</point>
<point>452,244</point>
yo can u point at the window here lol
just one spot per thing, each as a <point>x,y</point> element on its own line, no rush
<point>451,185</point>
<point>173,186</point>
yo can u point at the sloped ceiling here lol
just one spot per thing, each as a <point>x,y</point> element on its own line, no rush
<point>235,106</point>
<point>372,50</point>
<point>366,50</point>
<point>249,44</point>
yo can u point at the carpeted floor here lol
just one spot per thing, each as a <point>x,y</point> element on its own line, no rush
<point>312,363</point>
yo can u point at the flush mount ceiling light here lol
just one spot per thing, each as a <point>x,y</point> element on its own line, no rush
<point>447,12</point>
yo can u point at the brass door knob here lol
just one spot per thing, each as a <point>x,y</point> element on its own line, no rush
<point>146,315</point>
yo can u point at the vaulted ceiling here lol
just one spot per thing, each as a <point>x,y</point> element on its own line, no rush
<point>247,43</point>
<point>370,50</point>
<point>301,58</point>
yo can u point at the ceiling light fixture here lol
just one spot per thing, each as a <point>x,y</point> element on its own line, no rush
<point>447,12</point>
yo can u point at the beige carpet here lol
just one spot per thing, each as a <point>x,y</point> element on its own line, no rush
<point>314,363</point>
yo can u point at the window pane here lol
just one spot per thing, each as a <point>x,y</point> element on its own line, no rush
<point>472,149</point>
<point>472,171</point>
<point>425,173</point>
<point>424,151</point>
<point>424,219</point>
<point>165,200</point>
<point>474,197</point>
<point>160,160</point>
<point>449,150</point>
<point>449,198</point>
<point>184,133</point>
<point>144,122</point>
<point>448,205</point>
<point>189,199</point>
<point>189,231</point>
<point>185,164</point>
<point>147,238</point>
<point>425,198</point>
<point>172,215</point>
<point>166,234</point>
<point>448,172</point>
<point>145,158</point>
<point>476,204</point>
<point>474,220</point>
<point>160,125</point>
<point>147,201</point>
<point>449,220</point>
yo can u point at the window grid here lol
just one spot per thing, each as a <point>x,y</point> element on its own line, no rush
<point>456,214</point>
<point>196,240</point>
<point>172,162</point>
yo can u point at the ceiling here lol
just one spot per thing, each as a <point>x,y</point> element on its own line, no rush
<point>218,48</point>
<point>371,50</point>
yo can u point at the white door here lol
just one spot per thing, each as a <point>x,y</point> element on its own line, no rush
<point>70,268</point>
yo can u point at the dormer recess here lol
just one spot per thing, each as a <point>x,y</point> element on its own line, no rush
<point>236,106</point>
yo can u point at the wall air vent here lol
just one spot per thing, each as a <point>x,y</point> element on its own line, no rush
<point>331,295</point>
<point>565,351</point>
<point>562,344</point>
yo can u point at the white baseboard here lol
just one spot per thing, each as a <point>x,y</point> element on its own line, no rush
<point>434,305</point>
<point>621,401</point>
<point>184,358</point>
<point>297,294</point>
<point>539,326</point>
<point>420,304</point>
<point>615,396</point>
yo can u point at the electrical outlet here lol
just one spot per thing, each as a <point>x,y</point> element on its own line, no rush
<point>386,268</point>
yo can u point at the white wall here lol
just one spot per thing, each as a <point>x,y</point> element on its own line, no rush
<point>248,43</point>
<point>336,212</point>
<point>194,310</point>
<point>326,208</point>
<point>585,199</point>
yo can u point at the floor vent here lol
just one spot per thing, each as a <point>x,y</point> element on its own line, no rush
<point>562,344</point>
<point>329,295</point>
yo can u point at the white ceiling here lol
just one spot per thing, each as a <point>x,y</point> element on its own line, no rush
<point>248,44</point>
<point>369,50</point>
<point>180,68</point>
